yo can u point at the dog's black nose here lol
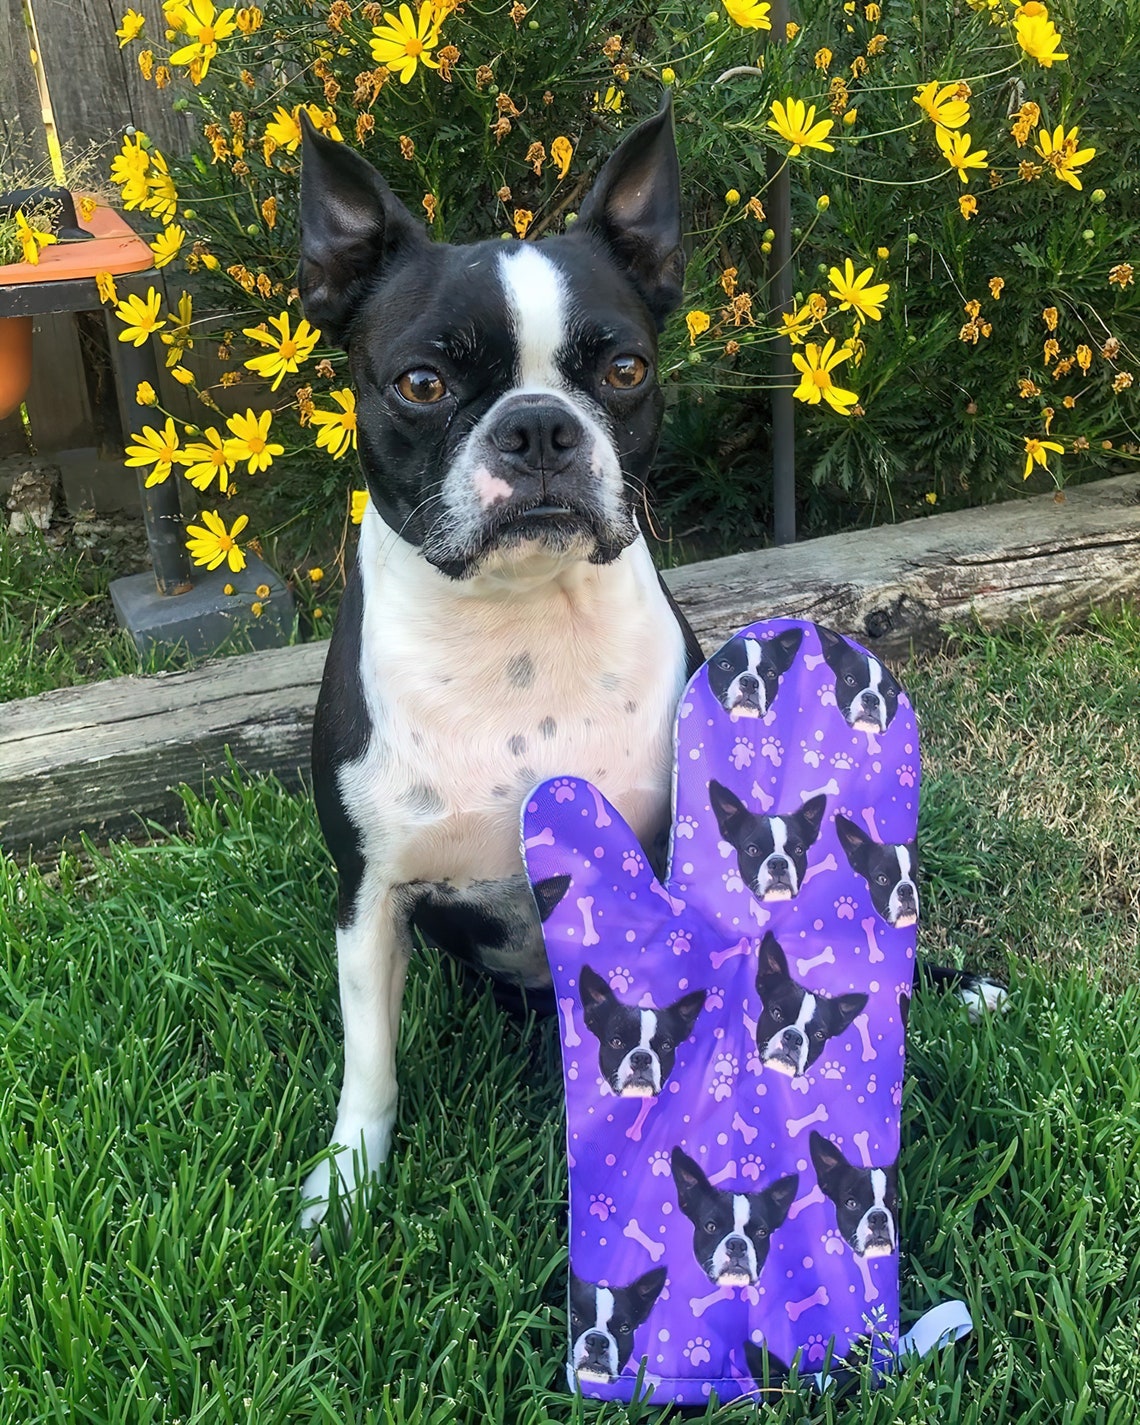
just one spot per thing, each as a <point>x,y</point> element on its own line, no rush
<point>749,683</point>
<point>906,891</point>
<point>596,1344</point>
<point>792,1038</point>
<point>777,865</point>
<point>640,1060</point>
<point>877,1221</point>
<point>537,434</point>
<point>736,1247</point>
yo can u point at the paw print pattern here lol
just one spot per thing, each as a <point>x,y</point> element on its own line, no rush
<point>896,1094</point>
<point>842,761</point>
<point>812,757</point>
<point>697,1351</point>
<point>742,753</point>
<point>724,1069</point>
<point>714,999</point>
<point>816,1348</point>
<point>833,1069</point>
<point>906,776</point>
<point>659,1164</point>
<point>751,1166</point>
<point>563,790</point>
<point>773,749</point>
<point>679,942</point>
<point>620,980</point>
<point>832,1242</point>
<point>845,908</point>
<point>601,1206</point>
<point>687,827</point>
<point>732,881</point>
<point>631,863</point>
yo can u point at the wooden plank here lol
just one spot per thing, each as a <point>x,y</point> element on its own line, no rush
<point>102,756</point>
<point>21,127</point>
<point>59,410</point>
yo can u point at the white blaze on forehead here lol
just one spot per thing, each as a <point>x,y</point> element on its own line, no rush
<point>605,1308</point>
<point>741,1208</point>
<point>904,863</point>
<point>648,1028</point>
<point>537,301</point>
<point>879,1187</point>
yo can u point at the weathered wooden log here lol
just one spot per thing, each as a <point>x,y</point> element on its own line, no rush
<point>103,756</point>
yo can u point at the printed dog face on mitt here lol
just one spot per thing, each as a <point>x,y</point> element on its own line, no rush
<point>796,1022</point>
<point>771,851</point>
<point>865,692</point>
<point>744,675</point>
<point>638,1047</point>
<point>731,1230</point>
<point>889,870</point>
<point>864,1198</point>
<point>603,1321</point>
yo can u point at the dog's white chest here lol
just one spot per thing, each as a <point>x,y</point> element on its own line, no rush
<point>476,695</point>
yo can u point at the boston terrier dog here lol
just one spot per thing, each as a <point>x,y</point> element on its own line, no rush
<point>864,1198</point>
<point>865,692</point>
<point>603,1320</point>
<point>504,622</point>
<point>889,870</point>
<point>744,675</point>
<point>638,1047</point>
<point>771,851</point>
<point>795,1023</point>
<point>732,1230</point>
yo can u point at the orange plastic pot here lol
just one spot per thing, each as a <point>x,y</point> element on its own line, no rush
<point>15,362</point>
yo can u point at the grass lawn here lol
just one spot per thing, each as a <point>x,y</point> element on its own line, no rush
<point>170,1041</point>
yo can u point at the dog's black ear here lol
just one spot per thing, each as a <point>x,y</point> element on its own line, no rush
<point>781,1196</point>
<point>688,1179</point>
<point>548,894</point>
<point>904,1009</point>
<point>784,647</point>
<point>851,837</point>
<point>635,208</point>
<point>773,963</point>
<point>728,809</point>
<point>830,642</point>
<point>826,1158</point>
<point>686,1009</point>
<point>645,1291</point>
<point>594,993</point>
<point>351,224</point>
<point>811,814</point>
<point>844,1008</point>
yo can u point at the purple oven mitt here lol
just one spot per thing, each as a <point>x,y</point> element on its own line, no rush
<point>732,1039</point>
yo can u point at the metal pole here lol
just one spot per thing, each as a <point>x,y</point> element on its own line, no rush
<point>162,514</point>
<point>780,299</point>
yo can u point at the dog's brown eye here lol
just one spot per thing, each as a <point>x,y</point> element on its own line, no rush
<point>626,372</point>
<point>423,386</point>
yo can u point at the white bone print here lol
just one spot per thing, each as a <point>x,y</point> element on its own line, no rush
<point>825,957</point>
<point>570,1034</point>
<point>633,1231</point>
<point>796,1309</point>
<point>862,1026</point>
<point>796,1126</point>
<point>874,954</point>
<point>589,935</point>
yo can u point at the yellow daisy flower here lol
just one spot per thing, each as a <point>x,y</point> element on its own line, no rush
<point>205,27</point>
<point>943,106</point>
<point>401,43</point>
<point>130,28</point>
<point>1035,454</point>
<point>105,286</point>
<point>211,544</point>
<point>749,14</point>
<point>157,448</point>
<point>284,129</point>
<point>179,340</point>
<point>168,244</point>
<point>141,317</point>
<point>204,459</point>
<point>796,323</point>
<point>145,394</point>
<point>129,171</point>
<point>956,151</point>
<point>854,293</point>
<point>337,429</point>
<point>359,505</point>
<point>794,121</point>
<point>698,323</point>
<point>289,348</point>
<point>32,239</point>
<point>1060,153</point>
<point>252,441</point>
<point>1037,35</point>
<point>815,366</point>
<point>562,151</point>
<point>161,199</point>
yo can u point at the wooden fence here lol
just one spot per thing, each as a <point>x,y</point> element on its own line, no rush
<point>96,92</point>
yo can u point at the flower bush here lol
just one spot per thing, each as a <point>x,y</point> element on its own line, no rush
<point>964,177</point>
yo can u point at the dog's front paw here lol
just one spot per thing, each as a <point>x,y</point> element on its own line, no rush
<point>354,1166</point>
<point>983,996</point>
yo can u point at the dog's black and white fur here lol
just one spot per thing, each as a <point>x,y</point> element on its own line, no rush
<point>503,622</point>
<point>603,1321</point>
<point>865,692</point>
<point>890,870</point>
<point>865,1198</point>
<point>744,674</point>
<point>637,1047</point>
<point>731,1230</point>
<point>795,1023</point>
<point>771,851</point>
